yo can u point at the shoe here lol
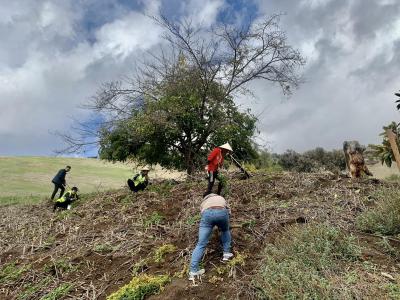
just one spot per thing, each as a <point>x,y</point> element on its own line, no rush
<point>227,256</point>
<point>193,275</point>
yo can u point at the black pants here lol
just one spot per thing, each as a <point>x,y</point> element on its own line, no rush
<point>133,188</point>
<point>63,205</point>
<point>56,187</point>
<point>212,175</point>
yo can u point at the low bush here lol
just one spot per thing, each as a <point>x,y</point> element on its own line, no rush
<point>312,160</point>
<point>300,262</point>
<point>140,287</point>
<point>160,252</point>
<point>384,218</point>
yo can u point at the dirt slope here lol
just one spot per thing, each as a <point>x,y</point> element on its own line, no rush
<point>98,246</point>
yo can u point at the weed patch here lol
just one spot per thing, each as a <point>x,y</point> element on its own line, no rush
<point>162,189</point>
<point>140,287</point>
<point>161,251</point>
<point>193,219</point>
<point>103,248</point>
<point>11,273</point>
<point>385,217</point>
<point>31,289</point>
<point>58,292</point>
<point>230,267</point>
<point>60,266</point>
<point>154,219</point>
<point>299,264</point>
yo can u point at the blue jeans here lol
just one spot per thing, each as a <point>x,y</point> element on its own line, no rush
<point>209,219</point>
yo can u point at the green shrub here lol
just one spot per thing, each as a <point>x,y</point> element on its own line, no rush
<point>265,161</point>
<point>385,217</point>
<point>312,160</point>
<point>298,265</point>
<point>140,287</point>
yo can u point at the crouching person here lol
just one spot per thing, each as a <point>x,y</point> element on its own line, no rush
<point>140,181</point>
<point>214,212</point>
<point>65,201</point>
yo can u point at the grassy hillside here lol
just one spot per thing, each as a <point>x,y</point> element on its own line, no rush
<point>28,179</point>
<point>295,236</point>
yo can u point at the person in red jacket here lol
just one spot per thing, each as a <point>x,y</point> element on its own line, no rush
<point>214,161</point>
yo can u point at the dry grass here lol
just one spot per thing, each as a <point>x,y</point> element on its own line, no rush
<point>129,226</point>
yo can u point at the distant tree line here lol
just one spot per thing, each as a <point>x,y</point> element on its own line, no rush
<point>314,160</point>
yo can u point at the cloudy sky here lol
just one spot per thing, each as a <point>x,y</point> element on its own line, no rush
<point>54,54</point>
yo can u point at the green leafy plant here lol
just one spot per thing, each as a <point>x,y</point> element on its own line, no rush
<point>384,151</point>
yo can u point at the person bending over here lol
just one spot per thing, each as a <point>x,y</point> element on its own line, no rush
<point>214,212</point>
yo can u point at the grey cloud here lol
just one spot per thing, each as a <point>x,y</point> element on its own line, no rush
<point>370,16</point>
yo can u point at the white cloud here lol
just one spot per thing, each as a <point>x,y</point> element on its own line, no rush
<point>46,71</point>
<point>133,32</point>
<point>203,13</point>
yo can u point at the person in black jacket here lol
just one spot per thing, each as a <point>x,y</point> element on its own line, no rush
<point>59,181</point>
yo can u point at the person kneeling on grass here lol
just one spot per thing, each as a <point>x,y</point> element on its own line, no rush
<point>65,201</point>
<point>214,212</point>
<point>140,181</point>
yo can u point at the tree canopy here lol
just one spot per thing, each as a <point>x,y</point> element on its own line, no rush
<point>181,102</point>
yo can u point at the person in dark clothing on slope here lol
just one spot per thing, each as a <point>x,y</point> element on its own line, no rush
<point>59,182</point>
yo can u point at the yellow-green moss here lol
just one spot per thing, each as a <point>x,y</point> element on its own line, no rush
<point>161,251</point>
<point>140,287</point>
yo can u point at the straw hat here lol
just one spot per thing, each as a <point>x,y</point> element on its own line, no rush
<point>145,168</point>
<point>226,146</point>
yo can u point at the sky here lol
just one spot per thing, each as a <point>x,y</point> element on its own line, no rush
<point>54,55</point>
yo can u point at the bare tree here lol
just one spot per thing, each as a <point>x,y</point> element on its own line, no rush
<point>225,59</point>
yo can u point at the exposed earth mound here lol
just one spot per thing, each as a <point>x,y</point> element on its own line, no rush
<point>111,239</point>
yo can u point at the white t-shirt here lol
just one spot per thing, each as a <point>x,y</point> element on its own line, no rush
<point>212,200</point>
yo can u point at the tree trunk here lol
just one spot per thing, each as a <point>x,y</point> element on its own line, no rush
<point>393,143</point>
<point>189,161</point>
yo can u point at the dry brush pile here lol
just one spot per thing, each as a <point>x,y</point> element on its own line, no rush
<point>143,242</point>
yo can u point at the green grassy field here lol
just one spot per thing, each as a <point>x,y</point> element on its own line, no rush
<point>28,179</point>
